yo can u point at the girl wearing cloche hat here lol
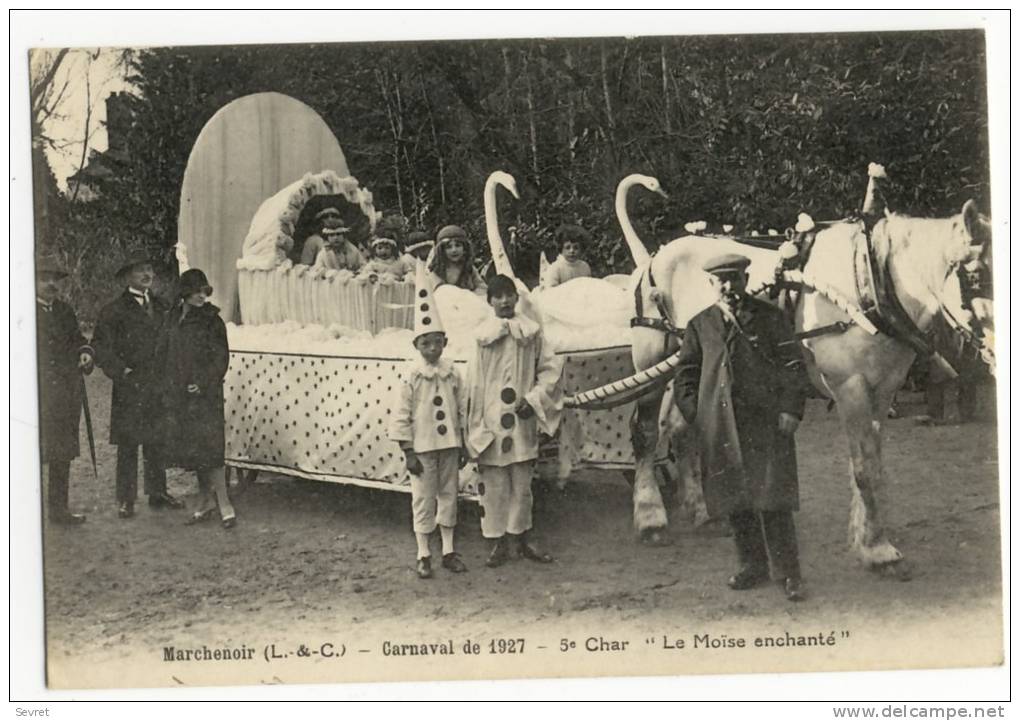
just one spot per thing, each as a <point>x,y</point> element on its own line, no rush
<point>195,357</point>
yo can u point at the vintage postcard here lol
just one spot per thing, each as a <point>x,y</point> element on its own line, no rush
<point>527,357</point>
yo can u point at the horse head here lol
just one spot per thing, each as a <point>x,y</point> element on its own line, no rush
<point>967,293</point>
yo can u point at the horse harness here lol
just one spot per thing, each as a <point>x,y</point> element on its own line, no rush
<point>664,323</point>
<point>873,279</point>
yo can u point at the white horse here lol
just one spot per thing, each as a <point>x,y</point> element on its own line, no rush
<point>858,370</point>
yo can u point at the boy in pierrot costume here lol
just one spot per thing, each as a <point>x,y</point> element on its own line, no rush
<point>428,425</point>
<point>514,392</point>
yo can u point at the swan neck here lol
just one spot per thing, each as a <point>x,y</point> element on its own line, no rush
<point>496,248</point>
<point>637,249</point>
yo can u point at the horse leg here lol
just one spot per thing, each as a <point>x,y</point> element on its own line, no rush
<point>856,403</point>
<point>675,430</point>
<point>649,512</point>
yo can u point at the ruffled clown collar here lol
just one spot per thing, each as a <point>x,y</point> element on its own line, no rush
<point>442,369</point>
<point>520,327</point>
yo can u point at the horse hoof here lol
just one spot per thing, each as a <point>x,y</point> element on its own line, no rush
<point>655,537</point>
<point>895,571</point>
<point>713,528</point>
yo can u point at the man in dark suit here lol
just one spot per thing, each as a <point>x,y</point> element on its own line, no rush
<point>63,355</point>
<point>741,381</point>
<point>125,343</point>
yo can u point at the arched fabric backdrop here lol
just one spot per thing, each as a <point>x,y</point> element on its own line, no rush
<point>247,151</point>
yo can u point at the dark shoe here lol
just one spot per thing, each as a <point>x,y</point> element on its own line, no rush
<point>424,567</point>
<point>499,554</point>
<point>126,510</point>
<point>199,517</point>
<point>794,589</point>
<point>533,554</point>
<point>452,562</point>
<point>67,519</point>
<point>229,522</point>
<point>164,500</point>
<point>747,577</point>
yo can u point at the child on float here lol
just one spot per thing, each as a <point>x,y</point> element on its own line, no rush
<point>571,240</point>
<point>418,247</point>
<point>514,392</point>
<point>386,258</point>
<point>428,425</point>
<point>452,261</point>
<point>330,248</point>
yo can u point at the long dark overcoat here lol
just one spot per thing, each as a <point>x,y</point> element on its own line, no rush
<point>193,350</point>
<point>126,337</point>
<point>733,382</point>
<point>59,342</point>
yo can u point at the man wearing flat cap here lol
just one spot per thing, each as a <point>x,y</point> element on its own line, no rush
<point>125,343</point>
<point>63,355</point>
<point>741,382</point>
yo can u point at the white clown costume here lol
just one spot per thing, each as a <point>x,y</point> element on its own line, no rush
<point>429,413</point>
<point>512,361</point>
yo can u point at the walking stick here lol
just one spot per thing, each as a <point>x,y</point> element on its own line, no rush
<point>88,424</point>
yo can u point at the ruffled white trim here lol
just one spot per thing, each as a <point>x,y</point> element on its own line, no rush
<point>520,327</point>
<point>442,369</point>
<point>268,243</point>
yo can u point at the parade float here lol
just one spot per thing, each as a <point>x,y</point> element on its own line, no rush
<point>316,354</point>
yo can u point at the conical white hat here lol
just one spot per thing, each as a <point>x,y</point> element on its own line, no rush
<point>874,202</point>
<point>426,312</point>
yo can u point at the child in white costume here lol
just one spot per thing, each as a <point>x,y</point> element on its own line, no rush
<point>428,424</point>
<point>569,264</point>
<point>513,393</point>
<point>386,259</point>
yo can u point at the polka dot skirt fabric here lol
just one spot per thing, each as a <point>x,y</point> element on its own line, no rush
<point>596,438</point>
<point>326,417</point>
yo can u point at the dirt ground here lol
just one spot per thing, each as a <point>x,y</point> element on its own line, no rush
<point>314,561</point>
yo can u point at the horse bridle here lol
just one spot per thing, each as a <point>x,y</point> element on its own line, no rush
<point>976,283</point>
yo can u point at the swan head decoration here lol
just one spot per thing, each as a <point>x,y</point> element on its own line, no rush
<point>499,177</point>
<point>650,183</point>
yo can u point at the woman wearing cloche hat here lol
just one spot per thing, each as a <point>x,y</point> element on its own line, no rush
<point>195,358</point>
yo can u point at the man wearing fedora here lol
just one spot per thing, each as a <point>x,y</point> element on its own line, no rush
<point>741,382</point>
<point>125,343</point>
<point>63,355</point>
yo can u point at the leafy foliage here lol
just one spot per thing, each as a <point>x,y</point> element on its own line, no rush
<point>743,130</point>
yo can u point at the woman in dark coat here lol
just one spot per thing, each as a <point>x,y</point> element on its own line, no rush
<point>195,356</point>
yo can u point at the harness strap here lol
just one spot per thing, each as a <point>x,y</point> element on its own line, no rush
<point>840,326</point>
<point>878,297</point>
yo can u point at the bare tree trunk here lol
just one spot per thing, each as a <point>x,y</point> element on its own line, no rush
<point>508,98</point>
<point>533,130</point>
<point>435,141</point>
<point>40,86</point>
<point>571,126</point>
<point>665,89</point>
<point>403,146</point>
<point>383,87</point>
<point>607,99</point>
<point>85,133</point>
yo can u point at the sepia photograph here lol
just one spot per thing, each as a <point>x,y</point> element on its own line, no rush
<point>457,357</point>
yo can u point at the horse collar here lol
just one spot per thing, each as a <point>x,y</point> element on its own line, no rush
<point>879,301</point>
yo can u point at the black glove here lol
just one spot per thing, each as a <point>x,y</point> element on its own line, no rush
<point>413,463</point>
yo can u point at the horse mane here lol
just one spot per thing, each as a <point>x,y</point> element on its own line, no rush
<point>933,244</point>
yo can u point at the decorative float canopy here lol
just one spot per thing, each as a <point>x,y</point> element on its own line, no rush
<point>246,153</point>
<point>284,220</point>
